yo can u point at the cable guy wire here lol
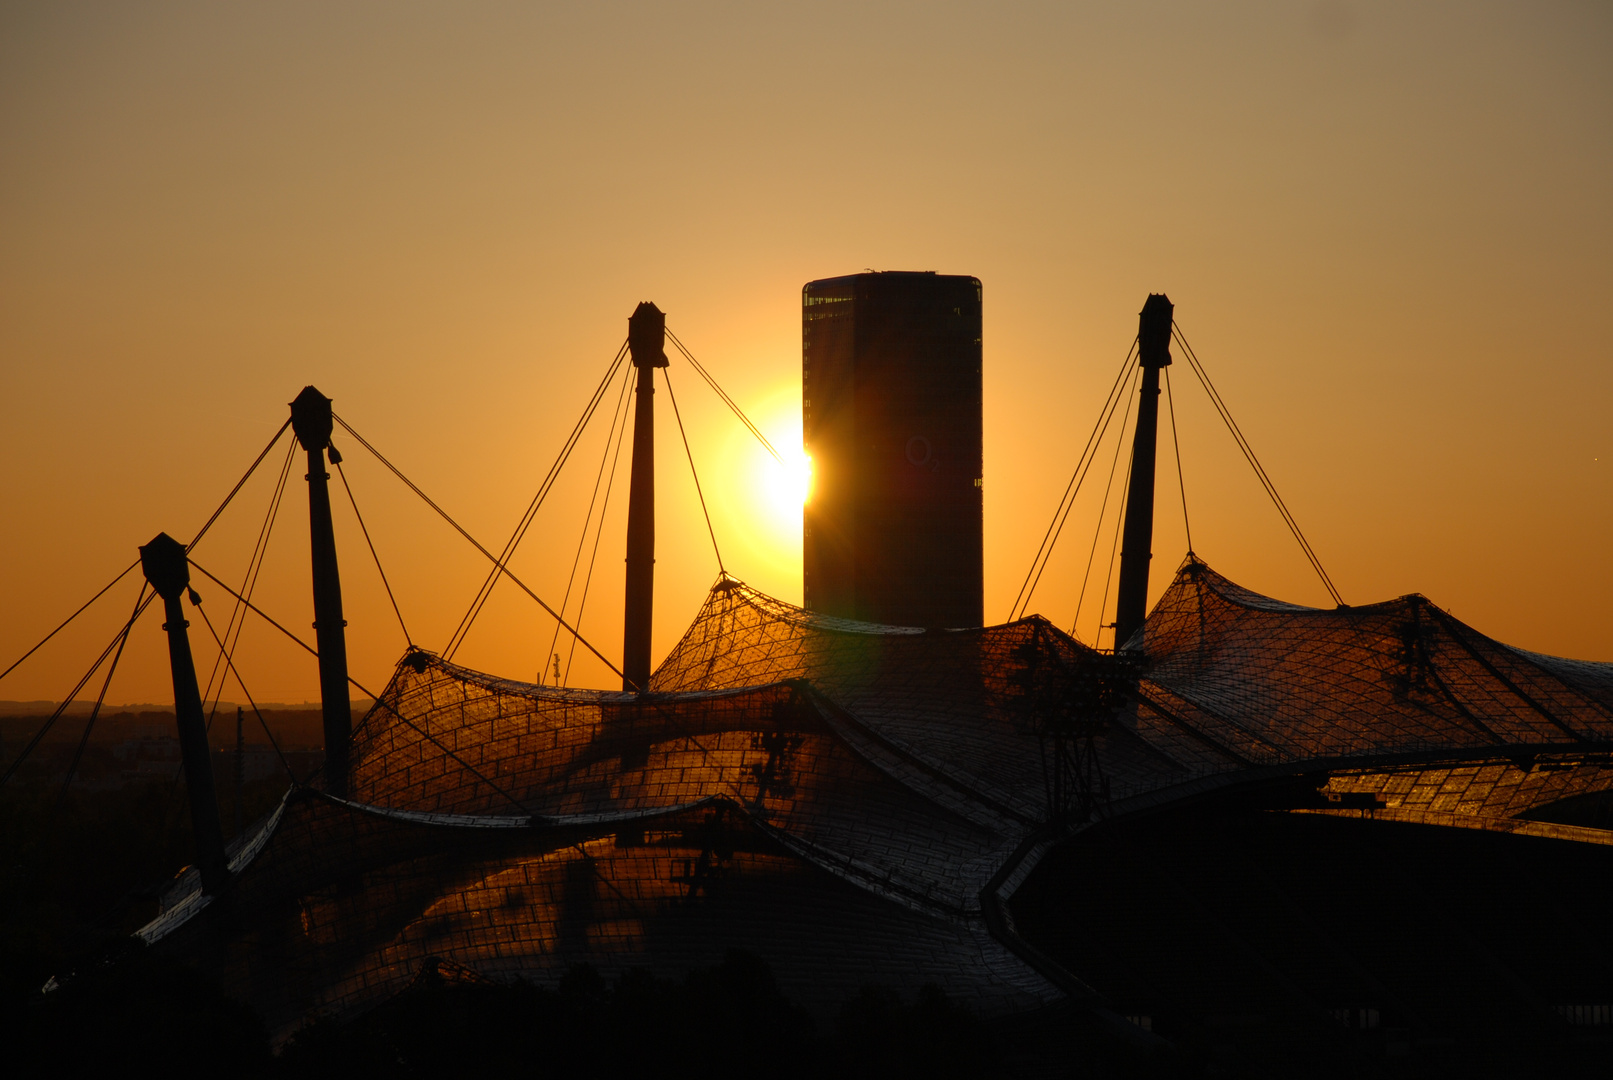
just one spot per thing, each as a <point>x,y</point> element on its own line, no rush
<point>373,697</point>
<point>618,416</point>
<point>72,694</point>
<point>1254,463</point>
<point>249,580</point>
<point>1181,485</point>
<point>665,375</point>
<point>458,637</point>
<point>238,485</point>
<point>1097,529</point>
<point>723,394</point>
<point>266,617</point>
<point>409,641</point>
<point>1083,465</point>
<point>69,619</point>
<point>502,568</point>
<point>229,660</point>
<point>100,699</point>
<point>1114,549</point>
<point>599,532</point>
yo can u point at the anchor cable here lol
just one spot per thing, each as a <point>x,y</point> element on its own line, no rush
<point>1097,530</point>
<point>266,617</point>
<point>416,728</point>
<point>409,641</point>
<point>1083,465</point>
<point>723,394</point>
<point>1181,485</point>
<point>71,695</point>
<point>618,416</point>
<point>1114,547</point>
<point>505,570</point>
<point>361,687</point>
<point>486,590</point>
<point>249,581</point>
<point>599,532</point>
<point>1254,462</point>
<point>100,699</point>
<point>666,375</point>
<point>69,619</point>
<point>239,484</point>
<point>229,660</point>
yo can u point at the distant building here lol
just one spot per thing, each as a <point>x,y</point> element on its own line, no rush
<point>891,414</point>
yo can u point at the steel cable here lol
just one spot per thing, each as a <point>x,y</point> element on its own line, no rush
<point>1254,462</point>
<point>690,455</point>
<point>723,394</point>
<point>209,524</point>
<point>249,581</point>
<point>588,578</point>
<point>1114,547</point>
<point>1181,485</point>
<point>229,660</point>
<point>618,416</point>
<point>457,638</point>
<point>1097,530</point>
<point>69,619</point>
<point>408,641</point>
<point>100,699</point>
<point>1083,465</point>
<point>503,569</point>
<point>362,688</point>
<point>238,485</point>
<point>71,695</point>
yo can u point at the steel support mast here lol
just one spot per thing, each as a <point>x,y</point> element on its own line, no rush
<point>646,337</point>
<point>311,420</point>
<point>168,569</point>
<point>1136,549</point>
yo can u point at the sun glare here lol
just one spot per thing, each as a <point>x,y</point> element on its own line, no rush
<point>765,496</point>
<point>790,485</point>
<point>775,492</point>
<point>780,490</point>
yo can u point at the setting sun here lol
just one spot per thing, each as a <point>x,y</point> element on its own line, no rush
<point>779,490</point>
<point>788,486</point>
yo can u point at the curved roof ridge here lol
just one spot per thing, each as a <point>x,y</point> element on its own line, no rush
<point>1596,669</point>
<point>775,608</point>
<point>1196,569</point>
<point>577,695</point>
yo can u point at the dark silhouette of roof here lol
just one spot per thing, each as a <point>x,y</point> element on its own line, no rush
<point>859,803</point>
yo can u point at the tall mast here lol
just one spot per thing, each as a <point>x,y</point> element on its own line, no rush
<point>646,335</point>
<point>311,420</point>
<point>1136,549</point>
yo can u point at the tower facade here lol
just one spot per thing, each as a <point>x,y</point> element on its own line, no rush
<point>891,415</point>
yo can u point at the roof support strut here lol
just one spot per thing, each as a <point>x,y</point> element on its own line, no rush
<point>1136,549</point>
<point>311,420</point>
<point>646,335</point>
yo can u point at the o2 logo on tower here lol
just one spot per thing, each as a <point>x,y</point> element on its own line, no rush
<point>921,455</point>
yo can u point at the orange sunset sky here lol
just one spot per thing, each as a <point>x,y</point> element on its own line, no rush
<point>1386,229</point>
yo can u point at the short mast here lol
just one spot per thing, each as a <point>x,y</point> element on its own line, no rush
<point>646,335</point>
<point>1136,549</point>
<point>311,420</point>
